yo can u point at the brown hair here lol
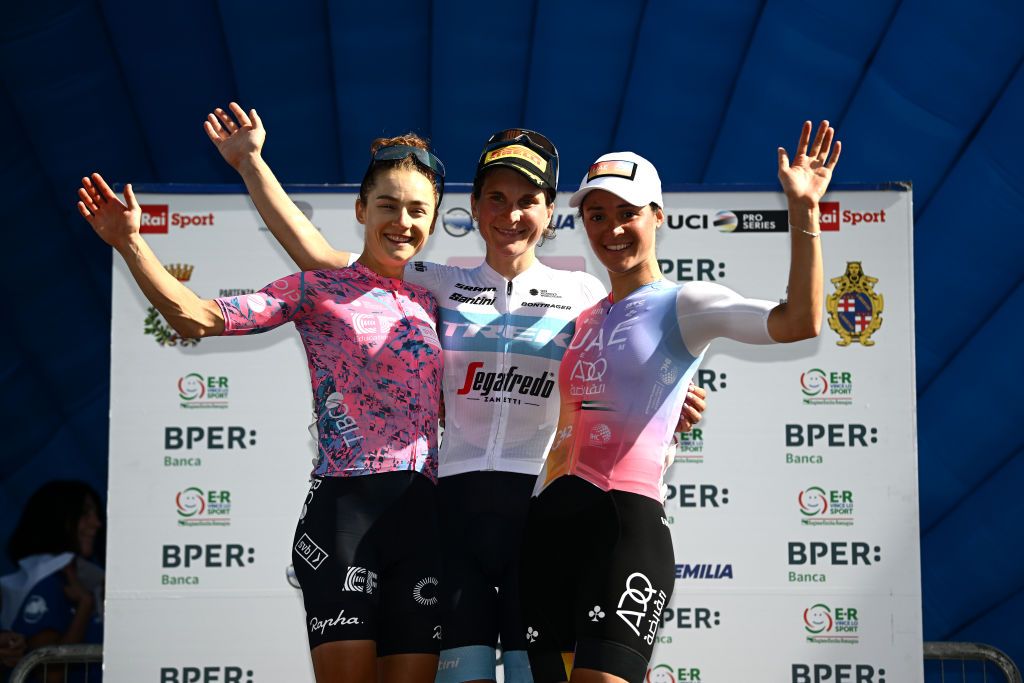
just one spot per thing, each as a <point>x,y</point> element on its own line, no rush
<point>407,163</point>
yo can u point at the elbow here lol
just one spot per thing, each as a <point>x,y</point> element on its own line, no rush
<point>812,327</point>
<point>808,328</point>
<point>189,329</point>
<point>197,324</point>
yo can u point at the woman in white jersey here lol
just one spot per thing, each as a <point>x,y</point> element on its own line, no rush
<point>504,326</point>
<point>597,564</point>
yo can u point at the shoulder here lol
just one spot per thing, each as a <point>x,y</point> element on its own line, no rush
<point>700,293</point>
<point>419,293</point>
<point>578,284</point>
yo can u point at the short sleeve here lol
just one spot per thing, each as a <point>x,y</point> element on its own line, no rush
<point>45,608</point>
<point>282,301</point>
<point>706,310</point>
<point>425,274</point>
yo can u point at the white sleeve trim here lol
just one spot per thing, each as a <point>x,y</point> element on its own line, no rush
<point>706,310</point>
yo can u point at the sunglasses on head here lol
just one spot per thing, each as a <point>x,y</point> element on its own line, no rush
<point>420,156</point>
<point>520,134</point>
<point>529,138</point>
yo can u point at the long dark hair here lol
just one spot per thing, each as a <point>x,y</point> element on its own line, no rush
<point>49,522</point>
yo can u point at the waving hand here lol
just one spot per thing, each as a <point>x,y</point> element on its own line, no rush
<point>805,179</point>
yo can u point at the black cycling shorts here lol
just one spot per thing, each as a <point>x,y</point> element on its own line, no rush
<point>596,573</point>
<point>482,520</point>
<point>367,556</point>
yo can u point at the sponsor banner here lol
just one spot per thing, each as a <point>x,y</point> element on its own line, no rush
<point>792,506</point>
<point>790,634</point>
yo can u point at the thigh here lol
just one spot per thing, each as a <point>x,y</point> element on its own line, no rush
<point>337,570</point>
<point>412,668</point>
<point>410,609</point>
<point>547,579</point>
<point>353,661</point>
<point>621,601</point>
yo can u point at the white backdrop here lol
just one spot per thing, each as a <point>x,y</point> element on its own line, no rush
<point>793,507</point>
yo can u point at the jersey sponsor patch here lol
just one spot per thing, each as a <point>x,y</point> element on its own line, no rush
<point>430,335</point>
<point>360,580</point>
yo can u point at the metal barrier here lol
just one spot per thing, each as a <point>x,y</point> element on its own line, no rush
<point>57,655</point>
<point>958,656</point>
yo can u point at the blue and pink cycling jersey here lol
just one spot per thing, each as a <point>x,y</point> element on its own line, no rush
<point>375,364</point>
<point>624,377</point>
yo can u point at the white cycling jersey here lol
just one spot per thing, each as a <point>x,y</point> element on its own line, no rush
<point>502,340</point>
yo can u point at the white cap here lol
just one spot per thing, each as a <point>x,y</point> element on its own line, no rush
<point>624,174</point>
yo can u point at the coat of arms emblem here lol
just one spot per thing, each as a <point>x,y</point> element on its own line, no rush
<point>855,308</point>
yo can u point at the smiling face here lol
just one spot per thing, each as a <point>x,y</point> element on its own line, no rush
<point>398,215</point>
<point>513,214</point>
<point>621,234</point>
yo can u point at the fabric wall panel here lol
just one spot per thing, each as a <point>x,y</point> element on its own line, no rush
<point>174,63</point>
<point>986,182</point>
<point>984,400</point>
<point>966,585</point>
<point>918,106</point>
<point>578,76</point>
<point>994,626</point>
<point>795,71</point>
<point>381,61</point>
<point>673,104</point>
<point>280,58</point>
<point>480,61</point>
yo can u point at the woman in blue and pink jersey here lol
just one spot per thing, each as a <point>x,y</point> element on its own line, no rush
<point>597,566</point>
<point>366,549</point>
<point>504,325</point>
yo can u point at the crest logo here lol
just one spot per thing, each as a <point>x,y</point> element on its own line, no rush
<point>155,324</point>
<point>855,308</point>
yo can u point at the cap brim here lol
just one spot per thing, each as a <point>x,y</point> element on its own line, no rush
<point>530,175</point>
<point>622,189</point>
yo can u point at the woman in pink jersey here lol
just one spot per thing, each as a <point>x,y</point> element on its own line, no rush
<point>366,546</point>
<point>597,566</point>
<point>499,386</point>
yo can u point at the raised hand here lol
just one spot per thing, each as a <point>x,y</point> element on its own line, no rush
<point>113,220</point>
<point>238,136</point>
<point>805,179</point>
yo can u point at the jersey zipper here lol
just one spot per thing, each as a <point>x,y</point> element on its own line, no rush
<point>499,432</point>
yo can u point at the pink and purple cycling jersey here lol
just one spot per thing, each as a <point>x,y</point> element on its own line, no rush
<point>624,376</point>
<point>375,363</point>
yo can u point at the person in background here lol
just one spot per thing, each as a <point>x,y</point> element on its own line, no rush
<point>56,596</point>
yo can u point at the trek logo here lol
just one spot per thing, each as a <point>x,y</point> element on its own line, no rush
<point>509,382</point>
<point>536,335</point>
